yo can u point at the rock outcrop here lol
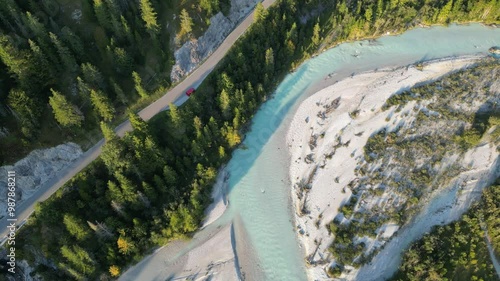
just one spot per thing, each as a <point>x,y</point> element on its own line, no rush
<point>35,169</point>
<point>189,56</point>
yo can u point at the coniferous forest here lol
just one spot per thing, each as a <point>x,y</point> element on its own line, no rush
<point>153,185</point>
<point>66,65</point>
<point>458,251</point>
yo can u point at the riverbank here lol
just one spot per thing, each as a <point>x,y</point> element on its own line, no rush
<point>326,139</point>
<point>211,253</point>
<point>256,171</point>
<point>219,197</point>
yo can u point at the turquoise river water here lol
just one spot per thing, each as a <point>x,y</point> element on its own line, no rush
<point>263,165</point>
<point>259,185</point>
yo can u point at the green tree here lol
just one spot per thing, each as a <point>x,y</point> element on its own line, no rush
<point>102,105</point>
<point>138,85</point>
<point>260,12</point>
<point>41,65</point>
<point>120,95</point>
<point>27,110</point>
<point>270,60</point>
<point>126,30</point>
<point>101,14</point>
<point>122,61</point>
<point>65,54</point>
<point>38,29</point>
<point>83,88</point>
<point>444,14</point>
<point>65,113</point>
<point>73,41</point>
<point>79,258</point>
<point>174,115</point>
<point>210,6</point>
<point>76,227</point>
<point>92,76</point>
<point>128,188</point>
<point>316,36</point>
<point>149,16</point>
<point>186,22</point>
<point>23,105</point>
<point>139,125</point>
<point>225,104</point>
<point>13,58</point>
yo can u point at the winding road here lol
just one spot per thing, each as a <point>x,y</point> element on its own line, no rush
<point>175,95</point>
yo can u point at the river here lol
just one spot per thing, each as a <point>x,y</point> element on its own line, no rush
<point>259,183</point>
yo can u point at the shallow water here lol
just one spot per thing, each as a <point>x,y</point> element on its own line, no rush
<point>259,185</point>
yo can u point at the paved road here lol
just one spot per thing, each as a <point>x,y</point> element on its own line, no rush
<point>25,209</point>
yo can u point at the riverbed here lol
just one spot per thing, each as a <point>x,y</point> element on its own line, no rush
<point>259,189</point>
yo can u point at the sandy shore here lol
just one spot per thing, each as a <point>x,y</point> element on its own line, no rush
<point>327,115</point>
<point>210,255</point>
<point>219,197</point>
<point>218,251</point>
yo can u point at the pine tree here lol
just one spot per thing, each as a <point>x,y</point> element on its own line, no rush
<point>210,6</point>
<point>138,85</point>
<point>270,61</point>
<point>149,16</point>
<point>102,105</point>
<point>12,58</point>
<point>79,258</point>
<point>75,227</point>
<point>27,110</point>
<point>316,37</point>
<point>445,12</point>
<point>260,12</point>
<point>126,30</point>
<point>225,104</point>
<point>198,126</point>
<point>73,41</point>
<point>41,36</point>
<point>64,53</point>
<point>114,151</point>
<point>120,95</point>
<point>114,19</point>
<point>23,105</point>
<point>92,76</point>
<point>380,8</point>
<point>129,190</point>
<point>65,113</point>
<point>122,61</point>
<point>115,193</point>
<point>41,65</point>
<point>38,29</point>
<point>10,14</point>
<point>101,14</point>
<point>83,88</point>
<point>186,22</point>
<point>174,115</point>
<point>140,126</point>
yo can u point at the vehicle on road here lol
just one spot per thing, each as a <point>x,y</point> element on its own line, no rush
<point>190,91</point>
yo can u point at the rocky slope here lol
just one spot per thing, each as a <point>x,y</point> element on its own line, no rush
<point>193,52</point>
<point>35,169</point>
